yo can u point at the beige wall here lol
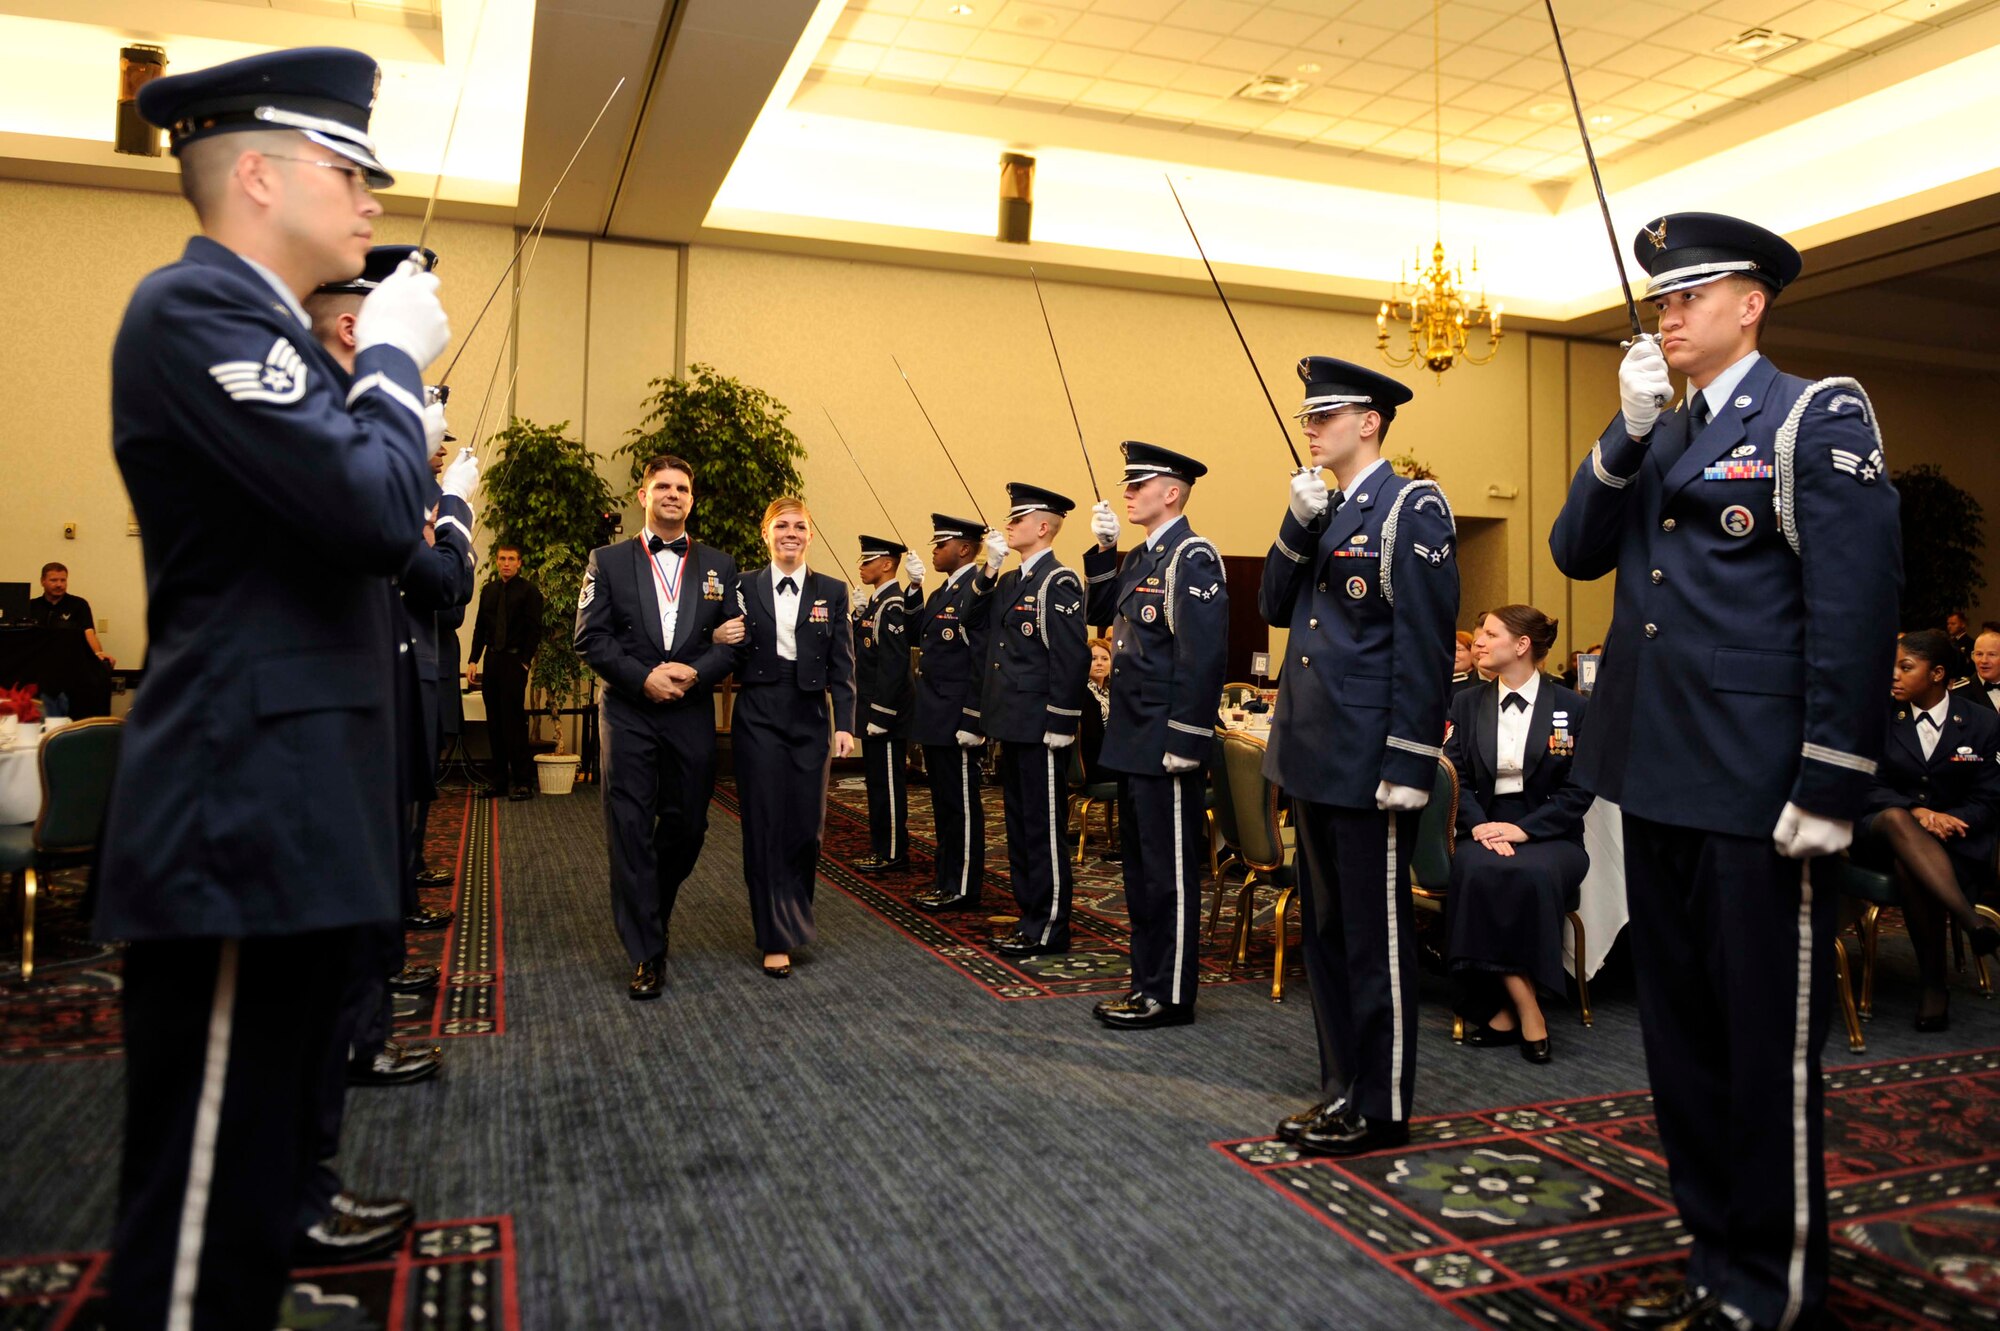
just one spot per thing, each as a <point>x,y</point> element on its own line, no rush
<point>75,254</point>
<point>585,324</point>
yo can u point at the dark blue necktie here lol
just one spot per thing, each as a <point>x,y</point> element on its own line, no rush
<point>1697,417</point>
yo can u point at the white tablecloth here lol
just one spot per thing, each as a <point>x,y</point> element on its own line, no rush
<point>1602,907</point>
<point>21,777</point>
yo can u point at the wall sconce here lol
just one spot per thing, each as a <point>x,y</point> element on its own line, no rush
<point>137,66</point>
<point>1017,197</point>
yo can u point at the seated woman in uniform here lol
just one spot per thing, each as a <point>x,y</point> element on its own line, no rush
<point>1934,807</point>
<point>1520,860</point>
<point>1463,675</point>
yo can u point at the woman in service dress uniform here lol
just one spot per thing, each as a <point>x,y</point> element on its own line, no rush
<point>1520,860</point>
<point>797,656</point>
<point>1933,809</point>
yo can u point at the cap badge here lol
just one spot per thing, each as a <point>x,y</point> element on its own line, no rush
<point>1658,235</point>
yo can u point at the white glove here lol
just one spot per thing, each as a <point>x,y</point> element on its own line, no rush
<point>1309,497</point>
<point>1643,386</point>
<point>874,729</point>
<point>1173,762</point>
<point>434,430</point>
<point>914,567</point>
<point>1802,836</point>
<point>1400,799</point>
<point>1055,741</point>
<point>996,551</point>
<point>404,312</point>
<point>968,740</point>
<point>461,476</point>
<point>1104,525</point>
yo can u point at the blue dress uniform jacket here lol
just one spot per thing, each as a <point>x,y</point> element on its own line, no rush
<point>1370,595</point>
<point>1960,778</point>
<point>1038,653</point>
<point>824,638</point>
<point>618,621</point>
<point>256,789</point>
<point>882,662</point>
<point>1732,683</point>
<point>1169,609</point>
<point>1556,804</point>
<point>437,579</point>
<point>951,666</point>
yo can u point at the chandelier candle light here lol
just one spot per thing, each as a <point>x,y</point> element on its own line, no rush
<point>1437,314</point>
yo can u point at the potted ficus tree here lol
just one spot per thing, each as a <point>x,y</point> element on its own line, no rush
<point>743,455</point>
<point>544,494</point>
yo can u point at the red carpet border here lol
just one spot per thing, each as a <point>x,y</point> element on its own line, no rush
<point>70,1008</point>
<point>1099,959</point>
<point>457,1275</point>
<point>1552,1215</point>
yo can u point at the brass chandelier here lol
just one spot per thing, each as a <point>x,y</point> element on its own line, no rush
<point>1437,314</point>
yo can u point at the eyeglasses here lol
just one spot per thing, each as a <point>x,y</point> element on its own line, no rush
<point>355,179</point>
<point>1315,419</point>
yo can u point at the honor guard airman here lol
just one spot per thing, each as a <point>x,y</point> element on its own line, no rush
<point>1737,721</point>
<point>252,833</point>
<point>1168,604</point>
<point>885,698</point>
<point>1031,700</point>
<point>950,666</point>
<point>1365,579</point>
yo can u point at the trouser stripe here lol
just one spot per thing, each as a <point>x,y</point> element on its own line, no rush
<point>1397,1109</point>
<point>207,1127</point>
<point>1795,1268</point>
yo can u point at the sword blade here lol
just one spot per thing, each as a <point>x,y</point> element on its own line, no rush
<point>1596,181</point>
<point>940,440</point>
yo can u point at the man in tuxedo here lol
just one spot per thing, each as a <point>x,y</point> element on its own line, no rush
<point>653,622</point>
<point>1982,689</point>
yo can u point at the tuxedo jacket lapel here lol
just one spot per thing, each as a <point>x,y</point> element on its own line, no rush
<point>1486,731</point>
<point>1540,725</point>
<point>648,599</point>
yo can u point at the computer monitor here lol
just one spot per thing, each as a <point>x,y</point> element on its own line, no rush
<point>14,597</point>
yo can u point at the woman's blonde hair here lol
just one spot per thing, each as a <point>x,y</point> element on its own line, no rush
<point>780,506</point>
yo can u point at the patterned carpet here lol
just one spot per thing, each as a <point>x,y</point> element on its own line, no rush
<point>453,1276</point>
<point>1551,1215</point>
<point>1099,959</point>
<point>70,1009</point>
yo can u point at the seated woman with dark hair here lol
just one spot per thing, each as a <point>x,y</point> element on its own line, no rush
<point>1097,709</point>
<point>1934,806</point>
<point>1520,861</point>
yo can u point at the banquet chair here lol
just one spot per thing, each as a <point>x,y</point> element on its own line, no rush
<point>77,764</point>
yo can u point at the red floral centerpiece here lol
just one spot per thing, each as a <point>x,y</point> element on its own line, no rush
<point>21,703</point>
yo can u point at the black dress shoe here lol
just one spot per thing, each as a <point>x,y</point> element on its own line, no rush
<point>396,1064</point>
<point>1013,945</point>
<point>1292,1125</point>
<point>876,864</point>
<point>339,1239</point>
<point>1537,1051</point>
<point>783,972</point>
<point>519,793</point>
<point>1141,1013</point>
<point>1485,1037</point>
<point>380,1210</point>
<point>935,902</point>
<point>649,977</point>
<point>423,917</point>
<point>434,877</point>
<point>1929,1022</point>
<point>1658,1311</point>
<point>1350,1133</point>
<point>414,978</point>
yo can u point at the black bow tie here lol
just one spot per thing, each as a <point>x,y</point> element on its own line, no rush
<point>679,545</point>
<point>787,587</point>
<point>1928,719</point>
<point>1514,700</point>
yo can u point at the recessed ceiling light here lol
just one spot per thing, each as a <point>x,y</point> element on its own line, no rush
<point>1602,120</point>
<point>961,11</point>
<point>1547,110</point>
<point>1754,44</point>
<point>1310,67</point>
<point>1270,88</point>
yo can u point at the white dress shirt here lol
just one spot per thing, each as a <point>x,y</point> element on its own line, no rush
<point>785,606</point>
<point>1511,745</point>
<point>1929,732</point>
<point>667,572</point>
<point>1360,478</point>
<point>1720,387</point>
<point>962,571</point>
<point>1028,564</point>
<point>1155,536</point>
<point>291,302</point>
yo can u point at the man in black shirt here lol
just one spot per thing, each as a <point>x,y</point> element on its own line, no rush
<point>510,624</point>
<point>55,608</point>
<point>82,682</point>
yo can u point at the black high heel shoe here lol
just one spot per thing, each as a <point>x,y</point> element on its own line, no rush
<point>1930,1022</point>
<point>1537,1051</point>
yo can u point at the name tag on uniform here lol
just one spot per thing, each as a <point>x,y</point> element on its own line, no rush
<point>1738,471</point>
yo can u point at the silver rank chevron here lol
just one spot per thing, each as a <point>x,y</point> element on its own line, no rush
<point>280,378</point>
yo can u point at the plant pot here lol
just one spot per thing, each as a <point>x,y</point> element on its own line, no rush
<point>556,772</point>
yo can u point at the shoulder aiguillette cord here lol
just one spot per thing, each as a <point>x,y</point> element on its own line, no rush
<point>1275,414</point>
<point>977,510</point>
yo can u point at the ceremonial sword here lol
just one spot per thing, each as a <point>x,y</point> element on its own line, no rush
<point>940,441</point>
<point>464,79</point>
<point>864,476</point>
<point>1095,488</point>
